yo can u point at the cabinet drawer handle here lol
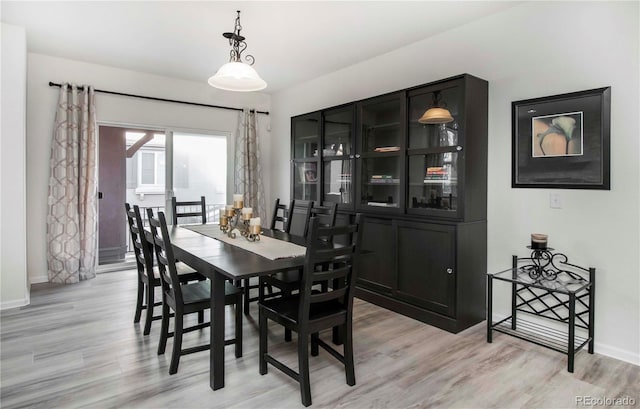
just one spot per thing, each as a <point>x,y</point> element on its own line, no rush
<point>458,148</point>
<point>357,156</point>
<point>449,271</point>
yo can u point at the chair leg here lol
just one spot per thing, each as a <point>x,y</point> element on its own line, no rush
<point>261,285</point>
<point>287,331</point>
<point>164,329</point>
<point>139,301</point>
<point>150,302</point>
<point>303,368</point>
<point>177,343</point>
<point>263,348</point>
<point>238,344</point>
<point>247,284</point>
<point>314,344</point>
<point>349,366</point>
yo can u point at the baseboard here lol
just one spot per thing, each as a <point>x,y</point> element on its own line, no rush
<point>5,305</point>
<point>617,353</point>
<point>38,279</point>
<point>599,348</point>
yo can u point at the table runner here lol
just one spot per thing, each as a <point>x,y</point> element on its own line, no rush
<point>267,247</point>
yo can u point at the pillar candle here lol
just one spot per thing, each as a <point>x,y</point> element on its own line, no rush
<point>247,213</point>
<point>255,221</point>
<point>238,201</point>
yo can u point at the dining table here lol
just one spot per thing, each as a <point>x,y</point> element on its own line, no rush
<point>220,261</point>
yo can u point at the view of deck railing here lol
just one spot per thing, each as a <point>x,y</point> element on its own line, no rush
<point>213,216</point>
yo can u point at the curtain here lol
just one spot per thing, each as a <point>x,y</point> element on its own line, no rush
<point>72,221</point>
<point>247,179</point>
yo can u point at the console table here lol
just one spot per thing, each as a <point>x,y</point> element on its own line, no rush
<point>547,286</point>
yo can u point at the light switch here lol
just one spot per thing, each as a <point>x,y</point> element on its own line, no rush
<point>555,201</point>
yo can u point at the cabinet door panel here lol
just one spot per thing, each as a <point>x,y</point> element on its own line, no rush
<point>377,270</point>
<point>426,270</point>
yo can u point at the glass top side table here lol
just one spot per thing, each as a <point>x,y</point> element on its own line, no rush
<point>547,288</point>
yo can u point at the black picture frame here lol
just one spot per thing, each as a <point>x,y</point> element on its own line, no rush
<point>562,141</point>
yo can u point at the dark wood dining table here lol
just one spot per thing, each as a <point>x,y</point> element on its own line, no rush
<point>219,261</point>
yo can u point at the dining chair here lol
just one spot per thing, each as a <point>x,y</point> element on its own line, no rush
<point>286,281</point>
<point>309,312</point>
<point>289,281</point>
<point>148,275</point>
<point>186,210</point>
<point>280,213</point>
<point>186,298</point>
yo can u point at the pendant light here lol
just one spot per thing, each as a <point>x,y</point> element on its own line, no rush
<point>237,75</point>
<point>437,113</point>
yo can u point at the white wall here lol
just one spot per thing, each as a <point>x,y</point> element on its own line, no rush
<point>13,256</point>
<point>531,50</point>
<point>41,103</point>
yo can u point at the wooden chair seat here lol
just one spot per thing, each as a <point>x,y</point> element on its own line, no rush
<point>185,273</point>
<point>284,310</point>
<point>197,296</point>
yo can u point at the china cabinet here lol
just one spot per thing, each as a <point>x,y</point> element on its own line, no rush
<point>423,190</point>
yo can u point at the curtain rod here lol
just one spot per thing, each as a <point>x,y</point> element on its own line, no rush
<point>53,84</point>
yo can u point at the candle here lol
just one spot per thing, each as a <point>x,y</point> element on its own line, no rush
<point>238,201</point>
<point>539,241</point>
<point>228,210</point>
<point>254,225</point>
<point>247,213</point>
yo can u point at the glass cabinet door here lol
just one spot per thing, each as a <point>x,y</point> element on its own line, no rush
<point>305,141</point>
<point>337,156</point>
<point>380,159</point>
<point>434,152</point>
<point>433,181</point>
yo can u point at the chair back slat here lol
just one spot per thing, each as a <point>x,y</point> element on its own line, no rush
<point>189,209</point>
<point>335,294</point>
<point>326,261</point>
<point>320,276</point>
<point>164,254</point>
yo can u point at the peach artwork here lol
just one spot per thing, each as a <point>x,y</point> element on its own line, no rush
<point>557,135</point>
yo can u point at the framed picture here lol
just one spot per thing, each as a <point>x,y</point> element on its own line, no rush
<point>562,141</point>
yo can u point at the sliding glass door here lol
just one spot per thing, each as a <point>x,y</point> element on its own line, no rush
<point>199,168</point>
<point>146,167</point>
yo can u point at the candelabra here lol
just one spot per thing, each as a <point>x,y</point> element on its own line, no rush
<point>236,217</point>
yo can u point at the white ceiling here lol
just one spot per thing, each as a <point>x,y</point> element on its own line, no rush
<point>292,41</point>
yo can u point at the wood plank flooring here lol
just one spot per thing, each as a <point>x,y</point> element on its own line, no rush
<point>76,346</point>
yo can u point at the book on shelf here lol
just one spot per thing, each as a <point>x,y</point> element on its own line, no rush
<point>387,149</point>
<point>384,181</point>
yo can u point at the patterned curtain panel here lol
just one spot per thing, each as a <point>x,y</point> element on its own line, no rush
<point>248,173</point>
<point>72,219</point>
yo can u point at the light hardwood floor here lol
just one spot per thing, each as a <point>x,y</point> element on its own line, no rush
<point>77,346</point>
